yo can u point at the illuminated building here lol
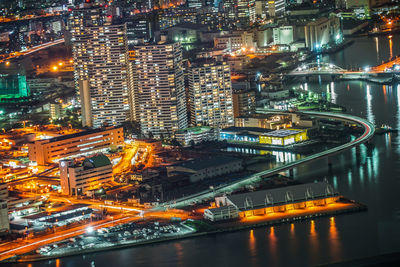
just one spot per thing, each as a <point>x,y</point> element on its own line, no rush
<point>271,201</point>
<point>13,86</point>
<point>276,8</point>
<point>55,111</point>
<point>283,35</point>
<point>232,42</point>
<point>78,178</point>
<point>210,94</point>
<point>321,32</point>
<point>139,29</point>
<point>100,54</point>
<point>240,10</point>
<point>159,93</point>
<point>195,135</point>
<point>65,216</point>
<point>52,150</point>
<point>271,122</point>
<point>283,137</point>
<point>4,221</point>
<point>244,102</point>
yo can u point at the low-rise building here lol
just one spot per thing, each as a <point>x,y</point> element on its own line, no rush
<point>270,201</point>
<point>261,136</point>
<point>78,178</point>
<point>205,168</point>
<point>64,216</point>
<point>54,149</point>
<point>196,134</point>
<point>4,221</point>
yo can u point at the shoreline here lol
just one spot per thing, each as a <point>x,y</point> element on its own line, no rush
<point>356,207</point>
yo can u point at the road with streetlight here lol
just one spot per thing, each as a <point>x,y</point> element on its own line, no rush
<point>31,50</point>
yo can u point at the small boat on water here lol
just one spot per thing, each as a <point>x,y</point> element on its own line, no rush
<point>384,129</point>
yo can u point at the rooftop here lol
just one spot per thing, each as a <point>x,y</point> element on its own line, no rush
<point>195,130</point>
<point>69,136</point>
<point>283,133</point>
<point>235,129</point>
<point>206,162</point>
<point>97,161</point>
<point>282,195</point>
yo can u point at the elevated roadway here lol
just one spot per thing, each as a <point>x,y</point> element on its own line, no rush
<point>32,50</point>
<point>369,130</point>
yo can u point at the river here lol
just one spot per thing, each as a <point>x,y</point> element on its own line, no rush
<point>367,175</point>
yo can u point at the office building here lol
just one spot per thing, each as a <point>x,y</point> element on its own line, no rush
<point>79,178</point>
<point>66,146</point>
<point>139,29</point>
<point>100,55</point>
<point>243,11</point>
<point>159,91</point>
<point>244,102</point>
<point>276,8</point>
<point>210,94</point>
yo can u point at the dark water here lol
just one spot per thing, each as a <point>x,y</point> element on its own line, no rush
<point>368,175</point>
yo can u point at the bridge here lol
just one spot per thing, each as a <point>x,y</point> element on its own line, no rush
<point>369,130</point>
<point>384,70</point>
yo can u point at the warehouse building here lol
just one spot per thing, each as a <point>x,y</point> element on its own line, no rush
<point>272,200</point>
<point>205,168</point>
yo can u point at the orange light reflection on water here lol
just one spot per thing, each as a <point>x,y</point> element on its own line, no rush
<point>334,238</point>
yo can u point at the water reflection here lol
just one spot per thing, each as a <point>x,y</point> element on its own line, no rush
<point>350,178</point>
<point>390,46</point>
<point>370,114</point>
<point>377,49</point>
<point>179,253</point>
<point>292,229</point>
<point>333,93</point>
<point>398,115</point>
<point>280,156</point>
<point>334,239</point>
<point>313,240</point>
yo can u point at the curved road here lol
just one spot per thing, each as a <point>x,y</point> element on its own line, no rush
<point>369,130</point>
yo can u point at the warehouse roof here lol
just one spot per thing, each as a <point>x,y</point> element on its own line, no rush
<point>283,133</point>
<point>282,195</point>
<point>206,162</point>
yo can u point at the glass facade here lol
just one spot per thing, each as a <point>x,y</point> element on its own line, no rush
<point>13,86</point>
